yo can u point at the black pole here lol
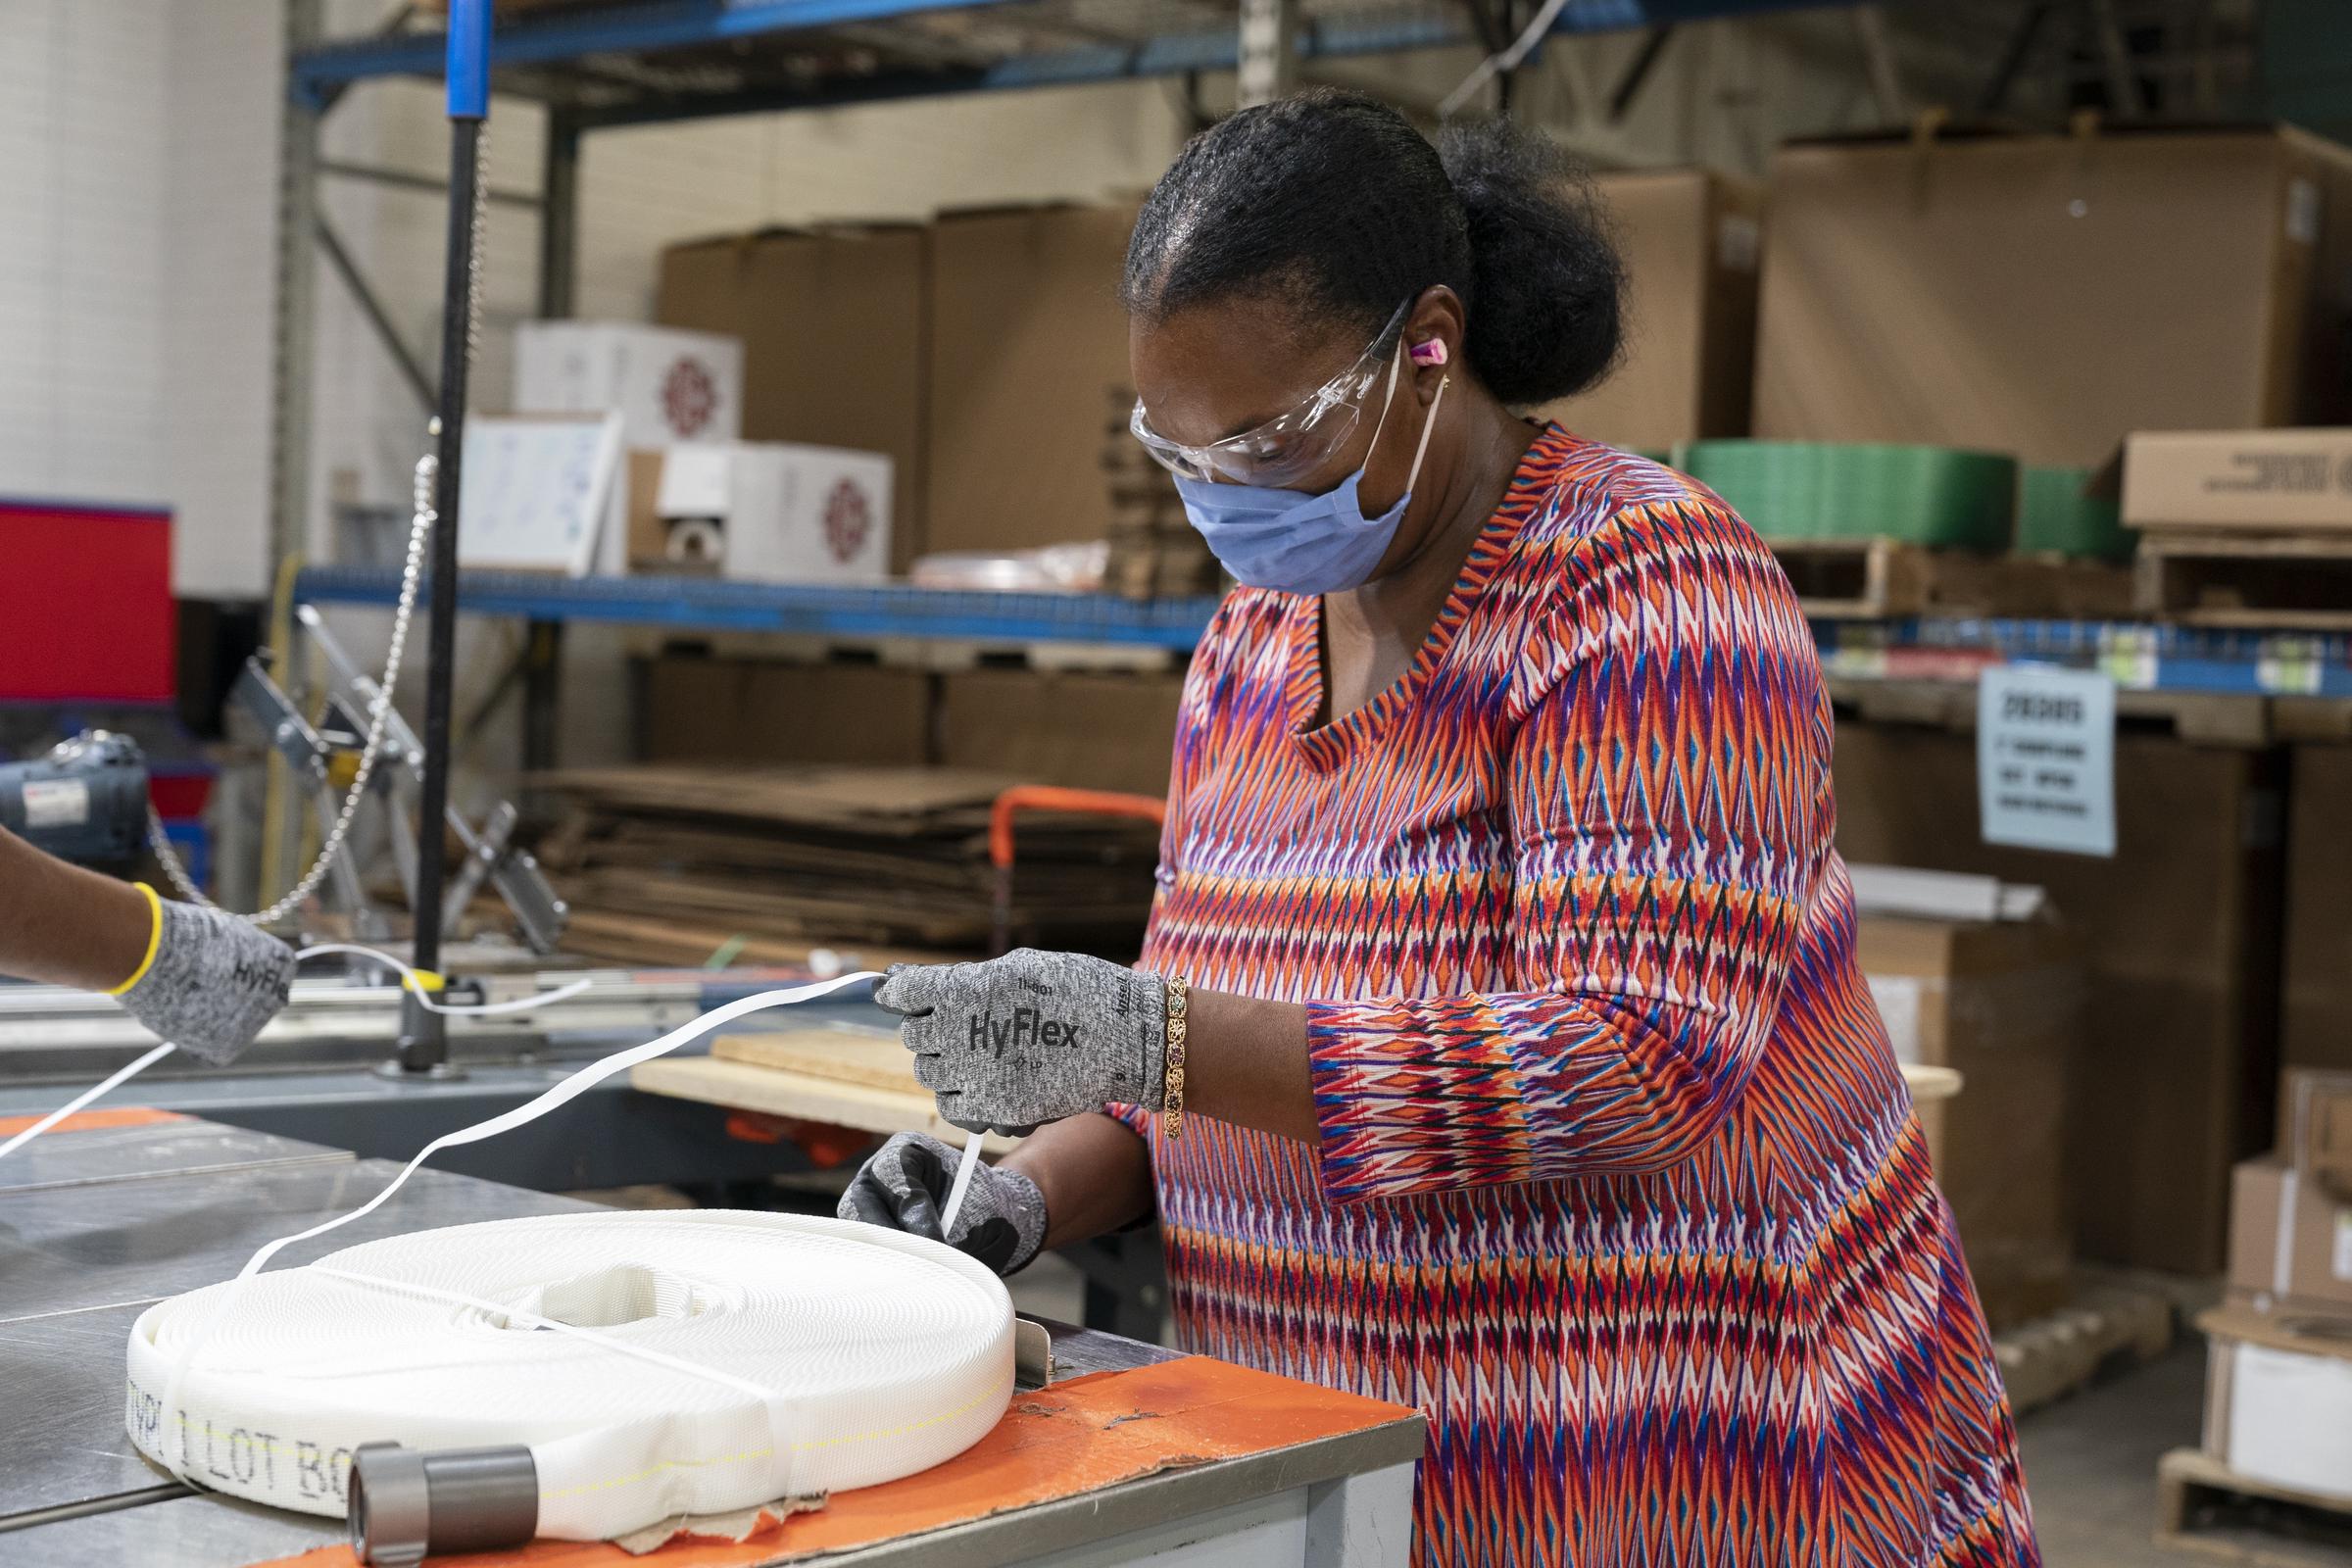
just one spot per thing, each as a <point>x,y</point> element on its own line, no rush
<point>424,1041</point>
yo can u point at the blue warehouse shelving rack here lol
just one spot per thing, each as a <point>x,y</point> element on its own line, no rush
<point>599,66</point>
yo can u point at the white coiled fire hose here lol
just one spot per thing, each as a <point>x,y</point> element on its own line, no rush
<point>731,1360</point>
<point>579,1376</point>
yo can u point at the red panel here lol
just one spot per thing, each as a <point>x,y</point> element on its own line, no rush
<point>178,797</point>
<point>85,603</point>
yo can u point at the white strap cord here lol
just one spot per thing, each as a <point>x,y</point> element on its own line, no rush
<point>116,1080</point>
<point>413,980</point>
<point>962,1184</point>
<point>424,998</point>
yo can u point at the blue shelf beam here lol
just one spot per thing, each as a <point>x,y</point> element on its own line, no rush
<point>2141,656</point>
<point>692,604</point>
<point>549,42</point>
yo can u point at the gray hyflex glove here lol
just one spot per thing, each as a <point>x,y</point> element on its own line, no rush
<point>1031,1037</point>
<point>213,983</point>
<point>905,1185</point>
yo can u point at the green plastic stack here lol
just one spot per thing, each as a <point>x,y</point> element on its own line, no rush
<point>2056,517</point>
<point>1808,490</point>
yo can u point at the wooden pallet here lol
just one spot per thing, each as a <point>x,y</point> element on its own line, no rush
<point>2287,582</point>
<point>1856,579</point>
<point>2205,1507</point>
<point>1879,579</point>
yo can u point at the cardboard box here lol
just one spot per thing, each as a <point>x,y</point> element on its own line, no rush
<point>695,708</point>
<point>665,385</point>
<point>2175,1069</point>
<point>2316,1030</point>
<point>1081,730</point>
<point>1690,240</point>
<point>2279,1398</point>
<point>2001,1003</point>
<point>2290,1240</point>
<point>2047,295</point>
<point>772,513</point>
<point>2315,1127</point>
<point>2273,480</point>
<point>835,330</point>
<point>1027,341</point>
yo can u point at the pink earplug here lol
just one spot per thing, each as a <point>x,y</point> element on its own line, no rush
<point>1432,352</point>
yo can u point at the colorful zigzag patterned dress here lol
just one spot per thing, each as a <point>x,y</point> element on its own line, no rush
<point>1618,1179</point>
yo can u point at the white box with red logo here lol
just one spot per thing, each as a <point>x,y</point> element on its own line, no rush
<point>665,385</point>
<point>768,512</point>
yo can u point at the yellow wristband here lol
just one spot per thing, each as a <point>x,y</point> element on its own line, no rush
<point>154,940</point>
<point>422,981</point>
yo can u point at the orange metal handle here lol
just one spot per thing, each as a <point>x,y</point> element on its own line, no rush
<point>1052,798</point>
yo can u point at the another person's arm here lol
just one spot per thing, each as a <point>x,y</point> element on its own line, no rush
<point>200,978</point>
<point>64,926</point>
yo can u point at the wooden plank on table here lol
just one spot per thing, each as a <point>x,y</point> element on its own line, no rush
<point>739,1086</point>
<point>869,1056</point>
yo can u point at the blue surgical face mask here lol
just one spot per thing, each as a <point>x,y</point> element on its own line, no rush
<point>1305,544</point>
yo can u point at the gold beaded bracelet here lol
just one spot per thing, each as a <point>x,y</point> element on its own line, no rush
<point>1171,1115</point>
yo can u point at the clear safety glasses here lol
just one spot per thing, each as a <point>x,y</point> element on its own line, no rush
<point>1283,451</point>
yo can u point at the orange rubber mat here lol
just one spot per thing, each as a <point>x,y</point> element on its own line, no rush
<point>1075,1437</point>
<point>82,1121</point>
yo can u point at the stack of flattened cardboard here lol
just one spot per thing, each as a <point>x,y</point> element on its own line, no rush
<point>837,857</point>
<point>1154,552</point>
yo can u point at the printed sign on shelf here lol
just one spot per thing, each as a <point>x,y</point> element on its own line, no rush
<point>2045,759</point>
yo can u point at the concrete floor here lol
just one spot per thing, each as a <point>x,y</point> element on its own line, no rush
<point>2091,1462</point>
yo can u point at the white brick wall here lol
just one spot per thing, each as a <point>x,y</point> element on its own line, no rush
<point>137,171</point>
<point>83,138</point>
<point>218,265</point>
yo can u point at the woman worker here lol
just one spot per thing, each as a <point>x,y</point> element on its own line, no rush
<point>1499,1046</point>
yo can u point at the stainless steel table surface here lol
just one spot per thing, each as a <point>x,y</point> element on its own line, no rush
<point>79,1266</point>
<point>72,1248</point>
<point>96,1155</point>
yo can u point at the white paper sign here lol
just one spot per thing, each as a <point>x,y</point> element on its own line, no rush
<point>2045,759</point>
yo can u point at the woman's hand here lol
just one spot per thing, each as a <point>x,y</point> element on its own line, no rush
<point>1031,1037</point>
<point>905,1187</point>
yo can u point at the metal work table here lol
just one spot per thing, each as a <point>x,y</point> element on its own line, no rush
<point>97,1224</point>
<point>311,1077</point>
